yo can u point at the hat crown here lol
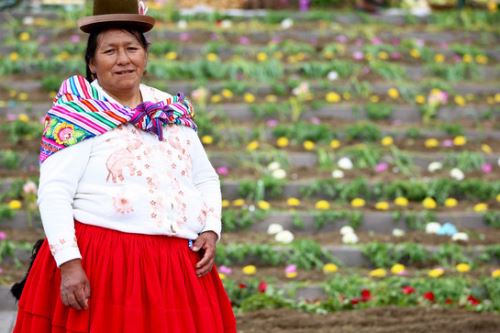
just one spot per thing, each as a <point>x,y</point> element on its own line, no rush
<point>104,7</point>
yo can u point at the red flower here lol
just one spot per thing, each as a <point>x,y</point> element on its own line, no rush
<point>449,301</point>
<point>408,290</point>
<point>262,286</point>
<point>366,295</point>
<point>355,301</point>
<point>472,300</point>
<point>243,286</point>
<point>429,296</point>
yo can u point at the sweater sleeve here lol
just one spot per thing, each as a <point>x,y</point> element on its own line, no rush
<point>59,177</point>
<point>207,182</point>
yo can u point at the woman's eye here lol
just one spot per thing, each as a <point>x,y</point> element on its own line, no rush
<point>132,48</point>
<point>108,51</point>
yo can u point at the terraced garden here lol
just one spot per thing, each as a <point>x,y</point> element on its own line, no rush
<point>359,158</point>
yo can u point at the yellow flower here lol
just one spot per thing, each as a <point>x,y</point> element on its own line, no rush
<point>261,56</point>
<point>14,56</point>
<point>467,58</point>
<point>387,141</point>
<point>374,98</point>
<point>460,100</point>
<point>212,57</point>
<point>486,148</point>
<point>216,99</point>
<point>23,96</point>
<point>278,55</point>
<point>309,145</point>
<point>322,205</point>
<point>398,269</point>
<point>420,99</point>
<point>207,139</point>
<point>63,56</point>
<point>393,93</point>
<point>497,97</point>
<point>459,140</point>
<point>222,276</point>
<point>481,59</point>
<point>463,268</point>
<point>368,57</point>
<point>334,144</point>
<point>498,197</point>
<point>271,98</point>
<point>293,202</point>
<point>332,97</point>
<point>436,272</point>
<point>253,145</point>
<point>382,55</point>
<point>378,273</point>
<point>480,207</point>
<point>225,203</point>
<point>414,53</point>
<point>3,104</point>
<point>330,268</point>
<point>15,204</point>
<point>429,203</point>
<point>249,98</point>
<point>495,273</point>
<point>249,270</point>
<point>24,118</point>
<point>264,205</point>
<point>238,202</point>
<point>328,55</point>
<point>24,36</point>
<point>492,6</point>
<point>401,201</point>
<point>439,58</point>
<point>291,275</point>
<point>382,205</point>
<point>431,143</point>
<point>450,202</point>
<point>171,55</point>
<point>227,93</point>
<point>346,96</point>
<point>357,202</point>
<point>282,142</point>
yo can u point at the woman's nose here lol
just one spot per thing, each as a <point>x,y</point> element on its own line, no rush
<point>123,57</point>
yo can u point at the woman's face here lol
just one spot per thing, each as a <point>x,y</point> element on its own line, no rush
<point>119,61</point>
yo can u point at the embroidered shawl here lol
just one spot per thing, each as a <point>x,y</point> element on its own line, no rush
<point>81,111</point>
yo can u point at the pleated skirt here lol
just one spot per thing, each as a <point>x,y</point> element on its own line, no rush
<point>138,283</point>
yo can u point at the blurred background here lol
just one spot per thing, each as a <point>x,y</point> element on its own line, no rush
<point>357,143</point>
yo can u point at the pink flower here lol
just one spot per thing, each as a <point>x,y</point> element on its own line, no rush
<point>487,168</point>
<point>223,170</point>
<point>29,187</point>
<point>276,39</point>
<point>11,117</point>
<point>376,41</point>
<point>291,269</point>
<point>3,235</point>
<point>447,143</point>
<point>225,270</point>
<point>341,39</point>
<point>272,123</point>
<point>244,40</point>
<point>184,36</point>
<point>74,39</point>
<point>381,167</point>
<point>315,120</point>
<point>395,55</point>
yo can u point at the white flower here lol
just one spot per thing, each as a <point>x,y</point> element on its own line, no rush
<point>345,163</point>
<point>333,75</point>
<point>398,232</point>
<point>347,229</point>
<point>279,174</point>
<point>287,23</point>
<point>435,166</point>
<point>226,24</point>
<point>498,162</point>
<point>182,24</point>
<point>457,174</point>
<point>350,238</point>
<point>284,236</point>
<point>301,89</point>
<point>251,208</point>
<point>460,236</point>
<point>29,187</point>
<point>274,166</point>
<point>274,228</point>
<point>337,173</point>
<point>432,227</point>
<point>28,20</point>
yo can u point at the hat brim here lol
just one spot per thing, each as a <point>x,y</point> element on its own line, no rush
<point>90,24</point>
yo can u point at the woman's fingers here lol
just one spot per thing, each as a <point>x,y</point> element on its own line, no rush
<point>72,301</point>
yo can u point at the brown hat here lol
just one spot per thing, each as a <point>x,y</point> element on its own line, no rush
<point>122,13</point>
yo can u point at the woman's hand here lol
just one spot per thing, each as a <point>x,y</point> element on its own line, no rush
<point>206,242</point>
<point>75,287</point>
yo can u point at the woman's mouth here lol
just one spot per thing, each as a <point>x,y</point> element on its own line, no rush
<point>124,72</point>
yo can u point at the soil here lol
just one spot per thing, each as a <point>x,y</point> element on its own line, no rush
<point>476,237</point>
<point>379,320</point>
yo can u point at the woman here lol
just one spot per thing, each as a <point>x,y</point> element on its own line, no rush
<point>129,202</point>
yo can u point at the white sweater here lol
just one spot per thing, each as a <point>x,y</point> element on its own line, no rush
<point>128,180</point>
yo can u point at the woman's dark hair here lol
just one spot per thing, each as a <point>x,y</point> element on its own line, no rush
<point>92,47</point>
<point>17,288</point>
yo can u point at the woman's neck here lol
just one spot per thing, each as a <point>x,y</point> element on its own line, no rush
<point>128,98</point>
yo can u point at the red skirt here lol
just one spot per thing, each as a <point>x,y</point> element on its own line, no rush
<point>138,283</point>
